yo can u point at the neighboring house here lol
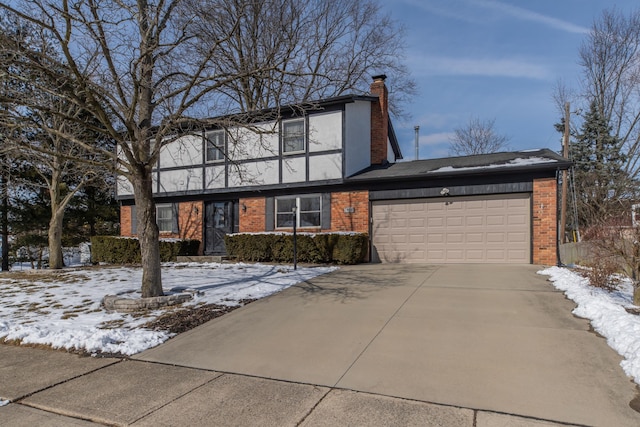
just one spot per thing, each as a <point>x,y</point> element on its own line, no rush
<point>337,166</point>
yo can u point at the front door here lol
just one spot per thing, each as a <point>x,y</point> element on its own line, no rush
<point>218,222</point>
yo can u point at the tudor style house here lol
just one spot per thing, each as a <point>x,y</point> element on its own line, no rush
<point>335,168</point>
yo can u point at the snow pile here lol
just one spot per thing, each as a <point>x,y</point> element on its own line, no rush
<point>63,308</point>
<point>607,313</point>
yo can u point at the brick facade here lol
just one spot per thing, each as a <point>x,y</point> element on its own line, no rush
<point>544,221</point>
<point>125,221</point>
<point>253,219</point>
<point>379,121</point>
<point>358,220</point>
<point>252,215</point>
<point>190,221</point>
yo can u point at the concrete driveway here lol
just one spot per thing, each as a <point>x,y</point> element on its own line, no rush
<point>484,337</point>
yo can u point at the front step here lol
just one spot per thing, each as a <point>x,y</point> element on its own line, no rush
<point>203,258</point>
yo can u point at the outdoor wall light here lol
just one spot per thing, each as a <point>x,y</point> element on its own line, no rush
<point>444,192</point>
<point>244,207</point>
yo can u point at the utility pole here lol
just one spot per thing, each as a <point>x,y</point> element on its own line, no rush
<point>565,154</point>
<point>417,141</point>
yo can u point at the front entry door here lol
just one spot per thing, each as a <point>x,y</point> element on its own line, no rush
<point>218,222</point>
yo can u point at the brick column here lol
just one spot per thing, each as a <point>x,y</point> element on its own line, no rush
<point>379,120</point>
<point>545,221</point>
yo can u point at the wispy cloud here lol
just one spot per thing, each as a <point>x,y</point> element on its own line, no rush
<point>487,67</point>
<point>529,15</point>
<point>470,11</point>
<point>454,9</point>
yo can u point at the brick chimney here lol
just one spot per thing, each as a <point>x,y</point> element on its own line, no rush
<point>379,120</point>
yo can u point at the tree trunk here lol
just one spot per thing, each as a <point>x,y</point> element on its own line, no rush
<point>56,259</point>
<point>636,295</point>
<point>5,222</point>
<point>148,234</point>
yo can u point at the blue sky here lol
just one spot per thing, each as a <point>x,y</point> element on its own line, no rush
<point>492,60</point>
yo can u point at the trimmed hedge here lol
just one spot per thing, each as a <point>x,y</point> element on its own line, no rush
<point>312,248</point>
<point>122,250</point>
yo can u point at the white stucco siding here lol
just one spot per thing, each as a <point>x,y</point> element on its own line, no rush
<point>391,157</point>
<point>325,131</point>
<point>180,180</point>
<point>214,177</point>
<point>184,151</point>
<point>154,180</point>
<point>253,173</point>
<point>357,143</point>
<point>328,166</point>
<point>253,143</point>
<point>124,187</point>
<point>294,169</point>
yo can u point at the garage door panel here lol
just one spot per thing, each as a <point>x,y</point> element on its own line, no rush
<point>474,221</point>
<point>517,220</point>
<point>496,255</point>
<point>435,238</point>
<point>517,238</point>
<point>418,223</point>
<point>435,222</point>
<point>453,229</point>
<point>496,219</point>
<point>475,237</point>
<point>454,238</point>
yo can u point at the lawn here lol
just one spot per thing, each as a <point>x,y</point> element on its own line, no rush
<point>62,308</point>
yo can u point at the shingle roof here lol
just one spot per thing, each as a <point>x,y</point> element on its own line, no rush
<point>516,161</point>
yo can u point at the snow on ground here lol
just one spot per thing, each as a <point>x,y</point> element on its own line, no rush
<point>607,313</point>
<point>63,308</point>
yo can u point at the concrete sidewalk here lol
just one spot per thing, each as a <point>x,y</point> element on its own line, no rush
<point>368,345</point>
<point>55,389</point>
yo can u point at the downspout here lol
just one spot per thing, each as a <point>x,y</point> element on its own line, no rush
<point>558,260</point>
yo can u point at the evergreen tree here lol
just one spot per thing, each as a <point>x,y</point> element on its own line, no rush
<point>600,182</point>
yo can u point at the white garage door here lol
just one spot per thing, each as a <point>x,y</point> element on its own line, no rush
<point>474,229</point>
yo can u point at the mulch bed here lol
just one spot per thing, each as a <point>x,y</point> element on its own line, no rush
<point>183,319</point>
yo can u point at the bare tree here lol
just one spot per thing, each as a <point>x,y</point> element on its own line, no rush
<point>610,60</point>
<point>477,137</point>
<point>39,137</point>
<point>143,70</point>
<point>322,49</point>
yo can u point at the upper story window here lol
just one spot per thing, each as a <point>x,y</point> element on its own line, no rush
<point>293,136</point>
<point>307,212</point>
<point>215,146</point>
<point>164,218</point>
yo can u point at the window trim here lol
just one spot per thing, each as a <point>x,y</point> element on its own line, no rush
<point>304,136</point>
<point>219,148</point>
<point>170,220</point>
<point>298,211</point>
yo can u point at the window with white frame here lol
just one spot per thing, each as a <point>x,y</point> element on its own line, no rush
<point>307,212</point>
<point>293,136</point>
<point>164,218</point>
<point>215,146</point>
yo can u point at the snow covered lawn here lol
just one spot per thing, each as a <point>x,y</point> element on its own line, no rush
<point>607,313</point>
<point>63,308</point>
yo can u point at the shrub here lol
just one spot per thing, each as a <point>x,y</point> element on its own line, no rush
<point>311,248</point>
<point>601,273</point>
<point>121,250</point>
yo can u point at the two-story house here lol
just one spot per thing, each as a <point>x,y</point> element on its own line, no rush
<point>334,168</point>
